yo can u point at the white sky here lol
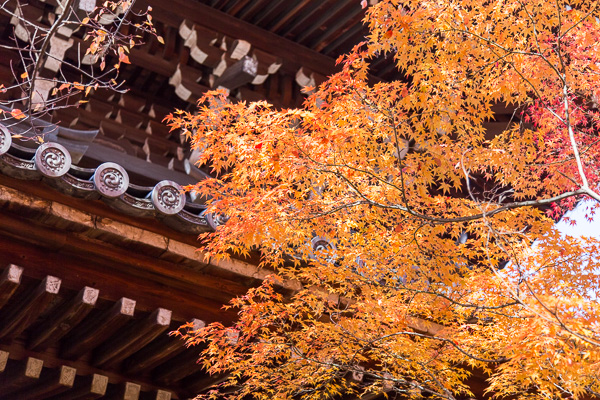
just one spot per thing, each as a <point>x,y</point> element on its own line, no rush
<point>583,227</point>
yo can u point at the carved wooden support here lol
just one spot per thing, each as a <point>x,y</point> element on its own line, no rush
<point>26,311</point>
<point>111,180</point>
<point>63,320</point>
<point>133,119</point>
<point>305,78</point>
<point>31,14</point>
<point>58,48</point>
<point>132,339</point>
<point>98,329</point>
<point>158,129</point>
<point>54,382</point>
<point>41,91</point>
<point>186,88</point>
<point>9,282</point>
<point>18,374</point>
<point>239,74</point>
<point>200,41</point>
<point>124,391</point>
<point>3,360</point>
<point>157,395</point>
<point>268,64</point>
<point>86,387</point>
<point>157,352</point>
<point>131,102</point>
<point>237,49</point>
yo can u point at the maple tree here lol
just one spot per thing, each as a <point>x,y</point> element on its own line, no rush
<point>424,249</point>
<point>47,78</point>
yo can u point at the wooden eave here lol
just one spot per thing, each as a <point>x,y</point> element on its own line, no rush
<point>87,295</point>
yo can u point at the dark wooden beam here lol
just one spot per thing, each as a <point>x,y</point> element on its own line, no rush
<point>3,360</point>
<point>18,374</point>
<point>51,383</point>
<point>320,22</point>
<point>86,387</point>
<point>84,369</point>
<point>15,320</point>
<point>201,381</point>
<point>177,368</point>
<point>156,395</point>
<point>239,74</point>
<point>157,352</point>
<point>9,282</point>
<point>133,338</point>
<point>96,330</point>
<point>124,391</point>
<point>294,54</point>
<point>63,320</point>
<point>113,279</point>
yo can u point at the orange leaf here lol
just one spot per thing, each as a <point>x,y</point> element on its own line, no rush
<point>124,58</point>
<point>17,114</point>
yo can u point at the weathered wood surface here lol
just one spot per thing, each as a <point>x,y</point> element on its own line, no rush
<point>3,360</point>
<point>156,395</point>
<point>86,387</point>
<point>15,320</point>
<point>133,338</point>
<point>51,383</point>
<point>242,72</point>
<point>98,329</point>
<point>293,54</point>
<point>9,282</point>
<point>201,381</point>
<point>60,322</point>
<point>113,270</point>
<point>124,391</point>
<point>158,352</point>
<point>18,374</point>
<point>178,367</point>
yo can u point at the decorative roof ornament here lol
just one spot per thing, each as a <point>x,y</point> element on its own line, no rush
<point>52,160</point>
<point>111,180</point>
<point>168,197</point>
<point>5,139</point>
